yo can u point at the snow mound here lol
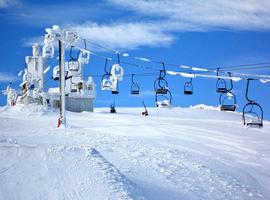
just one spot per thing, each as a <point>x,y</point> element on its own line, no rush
<point>31,109</point>
<point>205,107</point>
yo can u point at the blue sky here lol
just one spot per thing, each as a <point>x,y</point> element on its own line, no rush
<point>205,34</point>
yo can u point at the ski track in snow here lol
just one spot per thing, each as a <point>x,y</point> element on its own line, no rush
<point>61,172</point>
<point>126,156</point>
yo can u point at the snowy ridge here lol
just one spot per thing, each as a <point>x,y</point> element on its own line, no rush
<point>205,107</point>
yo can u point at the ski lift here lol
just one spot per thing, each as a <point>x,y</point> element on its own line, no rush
<point>56,73</point>
<point>163,95</point>
<point>112,108</point>
<point>106,80</point>
<point>73,64</point>
<point>135,89</point>
<point>84,55</point>
<point>145,113</point>
<point>163,101</point>
<point>252,112</point>
<point>227,100</point>
<point>188,87</point>
<point>221,84</point>
<point>160,84</point>
<point>47,51</point>
<point>116,70</point>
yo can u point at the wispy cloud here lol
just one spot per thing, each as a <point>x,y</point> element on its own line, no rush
<point>124,35</point>
<point>158,23</point>
<point>46,14</point>
<point>230,14</point>
<point>8,3</point>
<point>7,77</point>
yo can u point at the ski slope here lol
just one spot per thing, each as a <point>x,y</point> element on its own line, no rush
<point>179,153</point>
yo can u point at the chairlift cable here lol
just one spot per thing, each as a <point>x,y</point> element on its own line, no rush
<point>169,64</point>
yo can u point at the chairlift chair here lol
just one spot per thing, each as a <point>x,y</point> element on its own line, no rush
<point>252,114</point>
<point>188,87</point>
<point>55,73</point>
<point>224,100</point>
<point>163,100</point>
<point>106,82</point>
<point>73,64</point>
<point>84,55</point>
<point>226,97</point>
<point>135,89</point>
<point>145,113</point>
<point>47,51</point>
<point>221,85</point>
<point>161,86</point>
<point>112,108</point>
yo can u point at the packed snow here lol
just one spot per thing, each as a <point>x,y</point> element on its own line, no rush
<point>178,153</point>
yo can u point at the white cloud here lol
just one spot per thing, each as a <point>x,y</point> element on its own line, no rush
<point>8,3</point>
<point>6,77</point>
<point>124,35</point>
<point>230,14</point>
<point>159,20</point>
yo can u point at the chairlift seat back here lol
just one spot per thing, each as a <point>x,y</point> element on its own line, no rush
<point>221,90</point>
<point>162,91</point>
<point>255,124</point>
<point>135,92</point>
<point>115,92</point>
<point>228,108</point>
<point>117,72</point>
<point>189,92</point>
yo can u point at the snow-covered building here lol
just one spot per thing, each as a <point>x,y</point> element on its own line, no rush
<point>79,93</point>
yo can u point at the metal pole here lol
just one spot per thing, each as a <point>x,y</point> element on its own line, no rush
<point>62,83</point>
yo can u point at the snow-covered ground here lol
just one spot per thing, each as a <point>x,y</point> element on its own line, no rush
<point>180,153</point>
